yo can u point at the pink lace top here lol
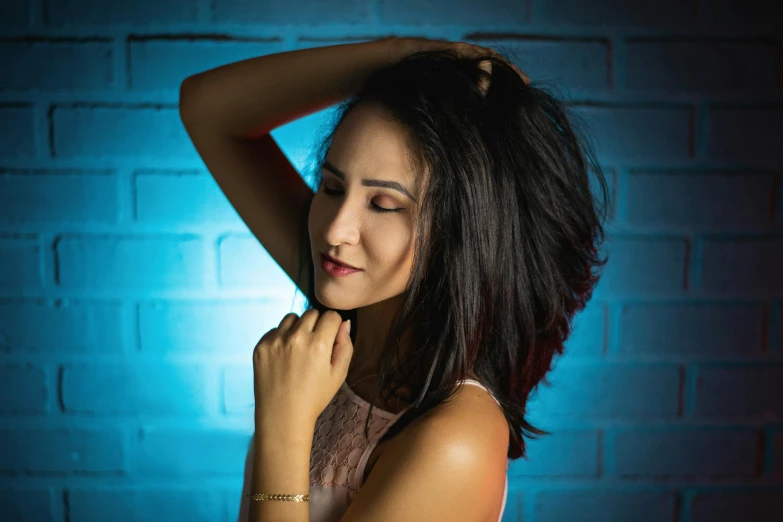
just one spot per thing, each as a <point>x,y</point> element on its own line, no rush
<point>339,455</point>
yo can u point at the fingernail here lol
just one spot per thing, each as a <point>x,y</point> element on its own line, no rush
<point>349,327</point>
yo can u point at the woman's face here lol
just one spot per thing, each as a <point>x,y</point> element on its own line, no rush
<point>350,224</point>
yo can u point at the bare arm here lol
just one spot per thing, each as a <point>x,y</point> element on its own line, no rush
<point>229,111</point>
<point>251,97</point>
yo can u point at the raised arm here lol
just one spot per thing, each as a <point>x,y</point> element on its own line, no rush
<point>229,111</point>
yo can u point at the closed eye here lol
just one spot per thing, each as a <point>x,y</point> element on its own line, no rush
<point>376,208</point>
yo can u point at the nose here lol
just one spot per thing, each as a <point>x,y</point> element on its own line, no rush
<point>342,227</point>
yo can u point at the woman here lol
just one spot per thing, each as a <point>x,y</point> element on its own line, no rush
<point>461,196</point>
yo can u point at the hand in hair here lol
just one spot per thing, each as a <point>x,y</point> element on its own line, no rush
<point>472,50</point>
<point>464,49</point>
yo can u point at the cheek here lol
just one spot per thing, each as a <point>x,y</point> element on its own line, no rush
<point>391,245</point>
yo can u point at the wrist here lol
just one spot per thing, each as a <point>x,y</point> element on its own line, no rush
<point>410,45</point>
<point>285,430</point>
<point>280,466</point>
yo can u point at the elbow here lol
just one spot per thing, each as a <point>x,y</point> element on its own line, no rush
<point>187,91</point>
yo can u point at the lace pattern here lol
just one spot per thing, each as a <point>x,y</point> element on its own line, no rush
<point>339,455</point>
<point>340,449</point>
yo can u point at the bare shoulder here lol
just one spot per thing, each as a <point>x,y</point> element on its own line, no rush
<point>450,465</point>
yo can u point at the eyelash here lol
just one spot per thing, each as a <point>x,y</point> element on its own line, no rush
<point>376,208</point>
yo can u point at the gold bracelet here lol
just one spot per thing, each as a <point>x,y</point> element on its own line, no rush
<point>276,496</point>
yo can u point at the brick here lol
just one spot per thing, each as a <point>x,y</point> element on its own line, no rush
<point>764,504</point>
<point>163,63</point>
<point>687,452</point>
<point>231,327</point>
<point>56,65</point>
<point>154,132</point>
<point>20,263</point>
<point>743,12</point>
<point>490,12</point>
<point>63,451</point>
<point>17,131</point>
<point>588,333</point>
<point>611,13</point>
<point>139,263</point>
<point>691,330</point>
<point>710,65</point>
<point>701,200</point>
<point>743,266</point>
<point>15,13</point>
<point>99,12</point>
<point>202,200</point>
<point>131,504</point>
<point>150,388</point>
<point>279,12</point>
<point>599,504</point>
<point>740,391</point>
<point>23,389</point>
<point>27,504</point>
<point>36,196</point>
<point>637,134</point>
<point>573,63</point>
<point>752,134</point>
<point>244,262</point>
<point>185,451</point>
<point>643,267</point>
<point>565,453</point>
<point>71,327</point>
<point>609,390</point>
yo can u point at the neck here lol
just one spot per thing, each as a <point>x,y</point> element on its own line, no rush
<point>373,324</point>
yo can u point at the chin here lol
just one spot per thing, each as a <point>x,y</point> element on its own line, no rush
<point>334,299</point>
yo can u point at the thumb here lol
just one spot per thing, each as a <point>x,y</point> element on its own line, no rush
<point>343,349</point>
<point>484,82</point>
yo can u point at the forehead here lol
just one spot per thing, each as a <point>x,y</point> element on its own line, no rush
<point>369,143</point>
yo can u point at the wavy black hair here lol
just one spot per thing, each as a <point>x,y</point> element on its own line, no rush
<point>509,235</point>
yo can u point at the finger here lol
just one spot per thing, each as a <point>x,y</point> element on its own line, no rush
<point>328,325</point>
<point>468,50</point>
<point>307,322</point>
<point>513,66</point>
<point>266,336</point>
<point>289,320</point>
<point>520,73</point>
<point>484,81</point>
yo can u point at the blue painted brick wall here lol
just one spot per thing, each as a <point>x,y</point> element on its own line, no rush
<point>131,293</point>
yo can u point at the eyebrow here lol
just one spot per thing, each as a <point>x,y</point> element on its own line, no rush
<point>369,182</point>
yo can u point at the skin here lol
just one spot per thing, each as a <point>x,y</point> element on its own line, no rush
<point>367,145</point>
<point>370,144</point>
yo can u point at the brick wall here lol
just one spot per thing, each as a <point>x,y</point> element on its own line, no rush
<point>131,293</point>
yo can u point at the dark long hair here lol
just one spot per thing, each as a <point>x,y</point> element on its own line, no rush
<point>508,233</point>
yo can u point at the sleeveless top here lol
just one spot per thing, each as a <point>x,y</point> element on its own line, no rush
<point>339,455</point>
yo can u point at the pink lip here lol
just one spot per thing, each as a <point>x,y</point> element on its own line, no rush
<point>335,270</point>
<point>337,262</point>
